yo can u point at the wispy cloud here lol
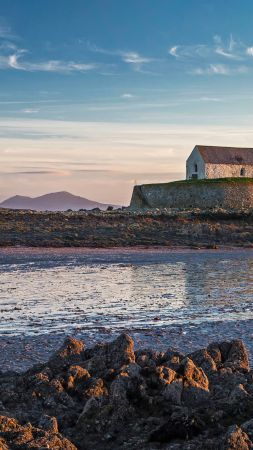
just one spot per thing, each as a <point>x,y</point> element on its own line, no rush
<point>235,53</point>
<point>30,111</point>
<point>16,58</point>
<point>132,58</point>
<point>135,60</point>
<point>15,61</point>
<point>231,49</point>
<point>220,69</point>
<point>210,99</point>
<point>249,51</point>
<point>127,95</point>
<point>189,51</point>
<point>5,30</point>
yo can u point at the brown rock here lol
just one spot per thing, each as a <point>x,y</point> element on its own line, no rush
<point>236,439</point>
<point>194,374</point>
<point>229,355</point>
<point>203,359</point>
<point>195,382</point>
<point>77,376</point>
<point>237,357</point>
<point>69,353</point>
<point>94,388</point>
<point>28,437</point>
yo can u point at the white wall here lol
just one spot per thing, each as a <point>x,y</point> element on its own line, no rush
<point>195,158</point>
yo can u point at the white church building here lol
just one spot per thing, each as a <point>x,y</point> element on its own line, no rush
<point>219,162</point>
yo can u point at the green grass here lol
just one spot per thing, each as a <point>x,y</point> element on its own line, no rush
<point>205,181</point>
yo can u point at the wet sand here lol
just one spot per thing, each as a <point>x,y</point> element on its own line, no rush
<point>19,353</point>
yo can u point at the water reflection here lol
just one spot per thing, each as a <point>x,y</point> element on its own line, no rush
<point>44,292</point>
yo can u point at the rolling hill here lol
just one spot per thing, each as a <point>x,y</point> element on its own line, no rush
<point>56,201</point>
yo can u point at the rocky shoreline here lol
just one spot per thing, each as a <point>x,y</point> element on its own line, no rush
<point>126,228</point>
<point>112,396</point>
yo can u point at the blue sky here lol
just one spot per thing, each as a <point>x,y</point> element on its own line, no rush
<point>98,95</point>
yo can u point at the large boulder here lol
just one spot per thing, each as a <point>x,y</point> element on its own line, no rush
<point>112,355</point>
<point>70,353</point>
<point>231,355</point>
<point>195,383</point>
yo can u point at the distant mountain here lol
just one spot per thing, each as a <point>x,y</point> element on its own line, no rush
<point>56,201</point>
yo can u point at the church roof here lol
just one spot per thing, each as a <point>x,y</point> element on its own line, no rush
<point>226,155</point>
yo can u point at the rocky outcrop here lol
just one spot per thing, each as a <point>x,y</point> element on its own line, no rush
<point>168,227</point>
<point>111,397</point>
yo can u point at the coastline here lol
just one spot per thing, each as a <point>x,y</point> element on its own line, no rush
<point>21,352</point>
<point>136,249</point>
<point>127,229</point>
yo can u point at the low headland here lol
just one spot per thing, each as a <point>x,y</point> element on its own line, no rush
<point>112,396</point>
<point>193,213</point>
<point>170,228</point>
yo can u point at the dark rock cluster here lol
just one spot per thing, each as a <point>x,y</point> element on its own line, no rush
<point>112,397</point>
<point>126,228</point>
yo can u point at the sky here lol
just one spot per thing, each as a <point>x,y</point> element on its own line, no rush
<point>99,95</point>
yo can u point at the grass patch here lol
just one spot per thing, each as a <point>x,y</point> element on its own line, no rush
<point>242,180</point>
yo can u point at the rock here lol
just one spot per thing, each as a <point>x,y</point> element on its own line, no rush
<point>173,392</point>
<point>3,444</point>
<point>111,355</point>
<point>247,427</point>
<point>238,395</point>
<point>27,437</point>
<point>236,439</point>
<point>148,358</point>
<point>229,355</point>
<point>172,358</point>
<point>118,391</point>
<point>69,353</point>
<point>204,360</point>
<point>195,383</point>
<point>48,423</point>
<point>181,425</point>
<point>8,424</point>
<point>77,377</point>
<point>108,397</point>
<point>133,370</point>
<point>194,374</point>
<point>90,410</point>
<point>237,358</point>
<point>94,387</point>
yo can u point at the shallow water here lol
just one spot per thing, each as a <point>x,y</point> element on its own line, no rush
<point>44,291</point>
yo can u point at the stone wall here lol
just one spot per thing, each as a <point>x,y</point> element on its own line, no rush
<point>203,194</point>
<point>227,170</point>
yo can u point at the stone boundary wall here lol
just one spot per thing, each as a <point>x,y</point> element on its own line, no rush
<point>191,194</point>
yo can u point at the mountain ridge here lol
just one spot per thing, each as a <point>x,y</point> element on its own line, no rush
<point>53,201</point>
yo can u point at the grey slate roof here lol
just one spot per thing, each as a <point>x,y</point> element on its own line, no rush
<point>226,155</point>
